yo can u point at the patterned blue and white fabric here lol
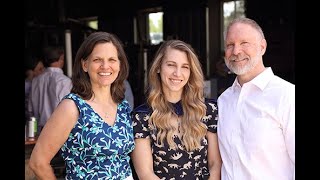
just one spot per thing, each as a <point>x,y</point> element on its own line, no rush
<point>96,150</point>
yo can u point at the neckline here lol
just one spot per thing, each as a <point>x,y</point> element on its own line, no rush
<point>177,107</point>
<point>100,118</point>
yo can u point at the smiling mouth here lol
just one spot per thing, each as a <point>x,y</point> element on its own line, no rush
<point>105,74</point>
<point>175,80</point>
<point>238,60</point>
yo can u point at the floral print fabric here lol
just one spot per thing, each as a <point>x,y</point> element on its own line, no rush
<point>95,150</point>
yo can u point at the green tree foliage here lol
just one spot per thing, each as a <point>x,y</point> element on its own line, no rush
<point>155,27</point>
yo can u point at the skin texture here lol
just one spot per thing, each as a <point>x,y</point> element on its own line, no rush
<point>174,73</point>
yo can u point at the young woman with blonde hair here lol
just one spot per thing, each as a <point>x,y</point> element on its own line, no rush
<point>175,131</point>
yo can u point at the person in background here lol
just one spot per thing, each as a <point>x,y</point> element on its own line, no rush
<point>256,129</point>
<point>34,67</point>
<point>50,87</point>
<point>175,130</point>
<point>128,94</point>
<point>92,125</point>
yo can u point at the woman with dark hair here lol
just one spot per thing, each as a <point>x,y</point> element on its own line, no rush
<point>175,131</point>
<point>91,125</point>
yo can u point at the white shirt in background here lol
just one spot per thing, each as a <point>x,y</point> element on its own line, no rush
<point>47,91</point>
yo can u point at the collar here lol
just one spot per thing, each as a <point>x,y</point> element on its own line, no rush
<point>177,108</point>
<point>54,69</point>
<point>261,80</point>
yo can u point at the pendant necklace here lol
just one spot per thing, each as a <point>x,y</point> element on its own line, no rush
<point>106,115</point>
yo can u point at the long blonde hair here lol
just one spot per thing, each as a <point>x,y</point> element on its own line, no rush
<point>193,130</point>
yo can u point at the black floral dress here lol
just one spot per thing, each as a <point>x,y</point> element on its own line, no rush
<point>170,164</point>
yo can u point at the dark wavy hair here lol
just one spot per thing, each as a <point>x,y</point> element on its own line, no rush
<point>80,79</point>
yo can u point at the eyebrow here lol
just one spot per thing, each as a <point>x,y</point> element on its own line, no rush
<point>170,61</point>
<point>99,57</point>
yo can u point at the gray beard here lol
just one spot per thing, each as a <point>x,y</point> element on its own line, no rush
<point>241,70</point>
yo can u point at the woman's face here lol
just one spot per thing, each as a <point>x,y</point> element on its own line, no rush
<point>174,72</point>
<point>103,65</point>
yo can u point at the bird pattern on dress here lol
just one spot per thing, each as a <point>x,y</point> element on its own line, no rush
<point>176,164</point>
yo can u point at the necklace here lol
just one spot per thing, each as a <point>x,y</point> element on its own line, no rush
<point>106,115</point>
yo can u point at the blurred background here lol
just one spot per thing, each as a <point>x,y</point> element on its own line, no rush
<point>143,24</point>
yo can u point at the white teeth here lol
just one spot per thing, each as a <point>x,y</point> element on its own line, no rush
<point>105,74</point>
<point>175,81</point>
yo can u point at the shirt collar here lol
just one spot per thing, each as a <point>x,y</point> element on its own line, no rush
<point>177,108</point>
<point>260,81</point>
<point>54,69</point>
<point>263,78</point>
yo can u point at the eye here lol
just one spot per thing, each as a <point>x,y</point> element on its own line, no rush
<point>245,44</point>
<point>185,67</point>
<point>113,60</point>
<point>229,46</point>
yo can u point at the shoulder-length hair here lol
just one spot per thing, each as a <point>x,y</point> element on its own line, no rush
<point>80,79</point>
<point>193,130</point>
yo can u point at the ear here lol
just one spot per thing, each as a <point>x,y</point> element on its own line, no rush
<point>263,46</point>
<point>84,65</point>
<point>158,71</point>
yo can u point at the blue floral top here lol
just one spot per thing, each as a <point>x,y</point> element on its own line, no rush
<point>95,150</point>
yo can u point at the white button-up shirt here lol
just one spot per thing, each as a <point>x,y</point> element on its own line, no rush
<point>47,91</point>
<point>256,129</point>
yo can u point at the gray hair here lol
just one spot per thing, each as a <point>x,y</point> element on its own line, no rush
<point>247,21</point>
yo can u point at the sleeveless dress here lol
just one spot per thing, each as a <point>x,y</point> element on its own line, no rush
<point>95,150</point>
<point>179,164</point>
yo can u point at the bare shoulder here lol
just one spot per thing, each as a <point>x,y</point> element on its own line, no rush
<point>67,103</point>
<point>67,107</point>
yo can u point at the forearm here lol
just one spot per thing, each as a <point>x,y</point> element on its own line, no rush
<point>144,172</point>
<point>144,169</point>
<point>215,172</point>
<point>43,172</point>
<point>214,158</point>
<point>148,176</point>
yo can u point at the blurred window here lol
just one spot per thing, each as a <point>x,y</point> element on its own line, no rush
<point>231,10</point>
<point>156,27</point>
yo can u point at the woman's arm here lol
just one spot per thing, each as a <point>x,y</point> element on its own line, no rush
<point>52,137</point>
<point>142,159</point>
<point>214,158</point>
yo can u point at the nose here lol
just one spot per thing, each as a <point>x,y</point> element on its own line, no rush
<point>177,72</point>
<point>103,64</point>
<point>236,49</point>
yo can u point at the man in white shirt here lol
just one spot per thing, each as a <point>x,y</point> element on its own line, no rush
<point>256,127</point>
<point>50,87</point>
